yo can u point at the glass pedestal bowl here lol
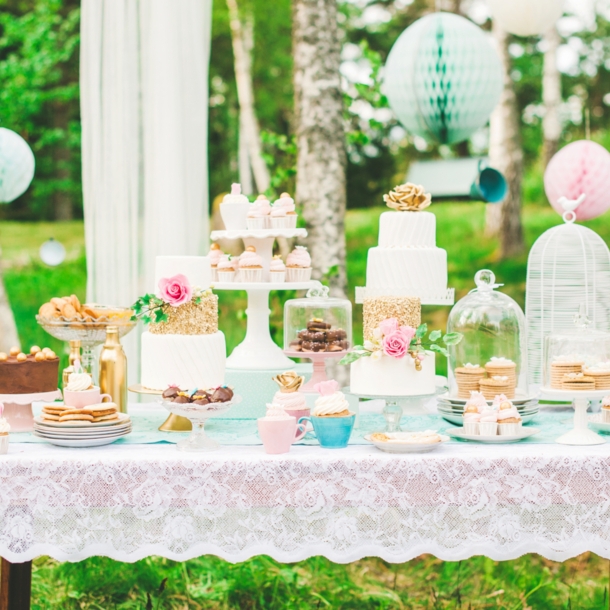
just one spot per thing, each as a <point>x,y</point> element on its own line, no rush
<point>199,441</point>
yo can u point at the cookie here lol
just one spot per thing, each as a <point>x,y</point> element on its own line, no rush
<point>577,382</point>
<point>102,406</point>
<point>76,417</point>
<point>50,417</point>
<point>109,417</point>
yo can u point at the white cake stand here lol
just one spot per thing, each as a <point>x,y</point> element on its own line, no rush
<point>258,351</point>
<point>580,434</point>
<point>393,410</point>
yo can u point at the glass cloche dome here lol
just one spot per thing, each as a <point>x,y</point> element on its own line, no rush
<point>317,323</point>
<point>492,356</point>
<point>577,359</point>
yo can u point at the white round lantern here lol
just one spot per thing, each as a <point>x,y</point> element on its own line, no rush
<point>443,78</point>
<point>526,17</point>
<point>16,165</point>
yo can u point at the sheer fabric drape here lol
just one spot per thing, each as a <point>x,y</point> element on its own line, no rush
<point>144,100</point>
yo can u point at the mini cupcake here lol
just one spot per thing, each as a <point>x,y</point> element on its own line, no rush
<point>277,270</point>
<point>331,402</point>
<point>488,424</point>
<point>234,209</point>
<point>279,218</point>
<point>257,216</point>
<point>287,202</point>
<point>509,420</point>
<point>332,420</point>
<point>215,254</point>
<point>606,409</point>
<point>288,395</point>
<point>250,266</point>
<point>478,400</point>
<point>298,265</point>
<point>264,206</point>
<point>5,428</point>
<point>471,419</point>
<point>225,269</point>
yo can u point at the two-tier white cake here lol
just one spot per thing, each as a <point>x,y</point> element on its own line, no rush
<point>187,350</point>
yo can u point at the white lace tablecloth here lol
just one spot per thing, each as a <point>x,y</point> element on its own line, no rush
<point>128,502</point>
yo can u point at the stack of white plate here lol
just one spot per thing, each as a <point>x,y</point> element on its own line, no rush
<point>80,433</point>
<point>452,409</point>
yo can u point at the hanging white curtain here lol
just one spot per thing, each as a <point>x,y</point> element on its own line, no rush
<point>144,101</point>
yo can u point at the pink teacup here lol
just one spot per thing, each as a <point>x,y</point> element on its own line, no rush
<point>277,435</point>
<point>84,398</point>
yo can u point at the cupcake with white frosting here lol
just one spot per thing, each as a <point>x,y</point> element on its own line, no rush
<point>331,402</point>
<point>258,214</point>
<point>488,422</point>
<point>225,269</point>
<point>277,270</point>
<point>471,419</point>
<point>288,395</point>
<point>250,266</point>
<point>287,202</point>
<point>214,255</point>
<point>509,420</point>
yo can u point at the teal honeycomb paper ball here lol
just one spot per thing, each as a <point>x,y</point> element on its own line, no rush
<point>16,165</point>
<point>443,78</point>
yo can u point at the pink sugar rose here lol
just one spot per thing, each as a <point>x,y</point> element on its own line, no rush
<point>389,326</point>
<point>326,388</point>
<point>175,290</point>
<point>395,345</point>
<point>408,332</point>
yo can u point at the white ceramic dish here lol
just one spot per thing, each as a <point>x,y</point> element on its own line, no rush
<point>519,399</point>
<point>123,418</point>
<point>498,438</point>
<point>458,420</point>
<point>83,435</point>
<point>80,443</point>
<point>395,446</point>
<point>597,423</point>
<point>519,405</point>
<point>452,411</point>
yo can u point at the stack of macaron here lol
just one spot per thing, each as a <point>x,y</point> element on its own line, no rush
<point>103,412</point>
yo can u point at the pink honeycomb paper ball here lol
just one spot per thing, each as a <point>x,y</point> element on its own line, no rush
<point>580,167</point>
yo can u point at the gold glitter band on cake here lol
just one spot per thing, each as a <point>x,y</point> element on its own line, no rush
<point>407,310</point>
<point>189,319</point>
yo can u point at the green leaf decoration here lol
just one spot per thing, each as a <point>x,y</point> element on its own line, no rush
<point>353,356</point>
<point>421,331</point>
<point>146,319</point>
<point>435,335</point>
<point>439,350</point>
<point>452,338</point>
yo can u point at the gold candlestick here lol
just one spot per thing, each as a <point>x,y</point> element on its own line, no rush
<point>113,369</point>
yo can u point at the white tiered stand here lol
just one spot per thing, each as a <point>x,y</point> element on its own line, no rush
<point>258,351</point>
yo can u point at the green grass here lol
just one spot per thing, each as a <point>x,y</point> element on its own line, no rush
<point>209,582</point>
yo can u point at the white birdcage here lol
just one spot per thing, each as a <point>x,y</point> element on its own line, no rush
<point>568,269</point>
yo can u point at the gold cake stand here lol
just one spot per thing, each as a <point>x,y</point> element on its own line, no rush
<point>174,423</point>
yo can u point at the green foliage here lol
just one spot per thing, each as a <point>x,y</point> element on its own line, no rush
<point>40,100</point>
<point>149,308</point>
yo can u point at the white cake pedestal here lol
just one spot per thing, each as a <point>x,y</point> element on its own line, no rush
<point>258,351</point>
<point>580,434</point>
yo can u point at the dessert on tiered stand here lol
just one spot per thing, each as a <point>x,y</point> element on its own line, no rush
<point>24,379</point>
<point>258,351</point>
<point>406,262</point>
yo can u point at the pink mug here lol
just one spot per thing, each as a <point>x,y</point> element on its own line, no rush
<point>277,435</point>
<point>297,414</point>
<point>84,398</point>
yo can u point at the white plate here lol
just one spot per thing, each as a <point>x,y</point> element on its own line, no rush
<point>525,433</point>
<point>460,407</point>
<point>398,447</point>
<point>597,423</point>
<point>519,399</point>
<point>458,420</point>
<point>444,409</point>
<point>89,442</point>
<point>123,418</point>
<point>79,432</point>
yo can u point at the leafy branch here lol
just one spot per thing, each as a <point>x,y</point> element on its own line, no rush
<point>149,308</point>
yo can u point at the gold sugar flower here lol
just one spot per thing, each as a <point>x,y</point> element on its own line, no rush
<point>408,198</point>
<point>289,382</point>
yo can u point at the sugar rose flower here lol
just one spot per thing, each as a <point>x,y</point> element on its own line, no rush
<point>389,326</point>
<point>408,198</point>
<point>175,290</point>
<point>326,388</point>
<point>408,332</point>
<point>395,345</point>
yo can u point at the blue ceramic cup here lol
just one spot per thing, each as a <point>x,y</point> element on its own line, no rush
<point>331,432</point>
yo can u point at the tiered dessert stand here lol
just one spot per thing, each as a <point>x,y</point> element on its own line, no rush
<point>258,351</point>
<point>580,434</point>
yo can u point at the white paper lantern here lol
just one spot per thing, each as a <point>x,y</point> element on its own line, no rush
<point>526,17</point>
<point>16,165</point>
<point>443,78</point>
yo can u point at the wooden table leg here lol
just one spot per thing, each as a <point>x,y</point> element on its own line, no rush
<point>15,585</point>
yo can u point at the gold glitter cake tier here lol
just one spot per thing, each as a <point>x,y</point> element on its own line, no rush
<point>189,319</point>
<point>407,310</point>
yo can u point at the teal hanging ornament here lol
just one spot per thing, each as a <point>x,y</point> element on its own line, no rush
<point>443,78</point>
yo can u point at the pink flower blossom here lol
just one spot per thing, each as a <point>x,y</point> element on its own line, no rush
<point>175,290</point>
<point>326,388</point>
<point>395,345</point>
<point>408,332</point>
<point>389,326</point>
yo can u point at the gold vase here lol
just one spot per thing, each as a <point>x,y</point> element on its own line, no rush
<point>72,358</point>
<point>113,369</point>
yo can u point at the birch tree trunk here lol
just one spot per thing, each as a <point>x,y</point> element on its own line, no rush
<point>8,329</point>
<point>551,96</point>
<point>506,155</point>
<point>243,77</point>
<point>320,135</point>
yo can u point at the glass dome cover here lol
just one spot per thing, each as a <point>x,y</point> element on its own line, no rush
<point>581,355</point>
<point>492,354</point>
<point>317,323</point>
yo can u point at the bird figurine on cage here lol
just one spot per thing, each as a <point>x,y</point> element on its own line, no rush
<point>569,205</point>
